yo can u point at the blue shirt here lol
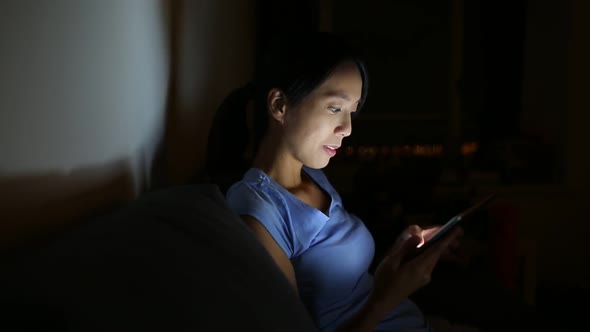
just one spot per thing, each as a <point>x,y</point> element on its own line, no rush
<point>330,253</point>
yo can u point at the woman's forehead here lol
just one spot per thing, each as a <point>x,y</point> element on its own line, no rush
<point>344,82</point>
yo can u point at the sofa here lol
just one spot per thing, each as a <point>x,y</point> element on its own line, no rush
<point>175,259</point>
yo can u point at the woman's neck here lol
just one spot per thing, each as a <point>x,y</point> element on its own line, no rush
<point>274,159</point>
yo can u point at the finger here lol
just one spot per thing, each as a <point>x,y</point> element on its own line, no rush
<point>428,260</point>
<point>414,230</point>
<point>433,253</point>
<point>405,249</point>
<point>410,245</point>
<point>400,241</point>
<point>446,243</point>
<point>428,233</point>
<point>410,231</point>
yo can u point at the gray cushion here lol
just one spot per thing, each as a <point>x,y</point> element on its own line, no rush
<point>174,260</point>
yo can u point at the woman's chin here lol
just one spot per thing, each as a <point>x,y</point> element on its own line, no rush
<point>318,164</point>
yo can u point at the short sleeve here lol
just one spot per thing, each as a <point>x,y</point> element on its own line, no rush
<point>247,199</point>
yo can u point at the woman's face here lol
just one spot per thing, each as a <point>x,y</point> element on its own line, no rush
<point>314,129</point>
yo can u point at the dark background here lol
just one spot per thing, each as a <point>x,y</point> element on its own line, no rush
<point>455,111</point>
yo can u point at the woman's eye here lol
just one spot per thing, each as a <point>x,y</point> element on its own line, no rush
<point>334,109</point>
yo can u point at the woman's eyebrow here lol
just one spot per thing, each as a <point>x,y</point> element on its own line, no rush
<point>339,94</point>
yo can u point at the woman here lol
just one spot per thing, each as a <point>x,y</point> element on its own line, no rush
<point>305,94</point>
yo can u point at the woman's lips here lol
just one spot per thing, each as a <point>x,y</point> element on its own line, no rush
<point>331,150</point>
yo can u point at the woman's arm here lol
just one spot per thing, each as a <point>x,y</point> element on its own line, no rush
<point>393,281</point>
<point>364,320</point>
<point>386,293</point>
<point>275,251</point>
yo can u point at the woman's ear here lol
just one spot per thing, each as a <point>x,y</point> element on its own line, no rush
<point>277,104</point>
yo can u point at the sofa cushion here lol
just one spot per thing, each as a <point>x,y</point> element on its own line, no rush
<point>176,259</point>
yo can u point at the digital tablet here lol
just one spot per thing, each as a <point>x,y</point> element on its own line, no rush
<point>452,224</point>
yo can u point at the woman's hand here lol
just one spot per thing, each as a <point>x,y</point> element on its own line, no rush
<point>396,279</point>
<point>449,254</point>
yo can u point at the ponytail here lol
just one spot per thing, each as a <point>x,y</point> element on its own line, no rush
<point>229,138</point>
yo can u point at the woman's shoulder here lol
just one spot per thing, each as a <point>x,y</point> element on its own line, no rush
<point>254,186</point>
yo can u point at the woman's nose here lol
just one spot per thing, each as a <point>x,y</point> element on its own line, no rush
<point>345,127</point>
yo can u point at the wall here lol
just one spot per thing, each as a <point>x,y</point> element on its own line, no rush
<point>93,91</point>
<point>556,108</point>
<point>84,83</point>
<point>578,115</point>
<point>84,88</point>
<point>214,45</point>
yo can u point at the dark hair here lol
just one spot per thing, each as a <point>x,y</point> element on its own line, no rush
<point>296,64</point>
